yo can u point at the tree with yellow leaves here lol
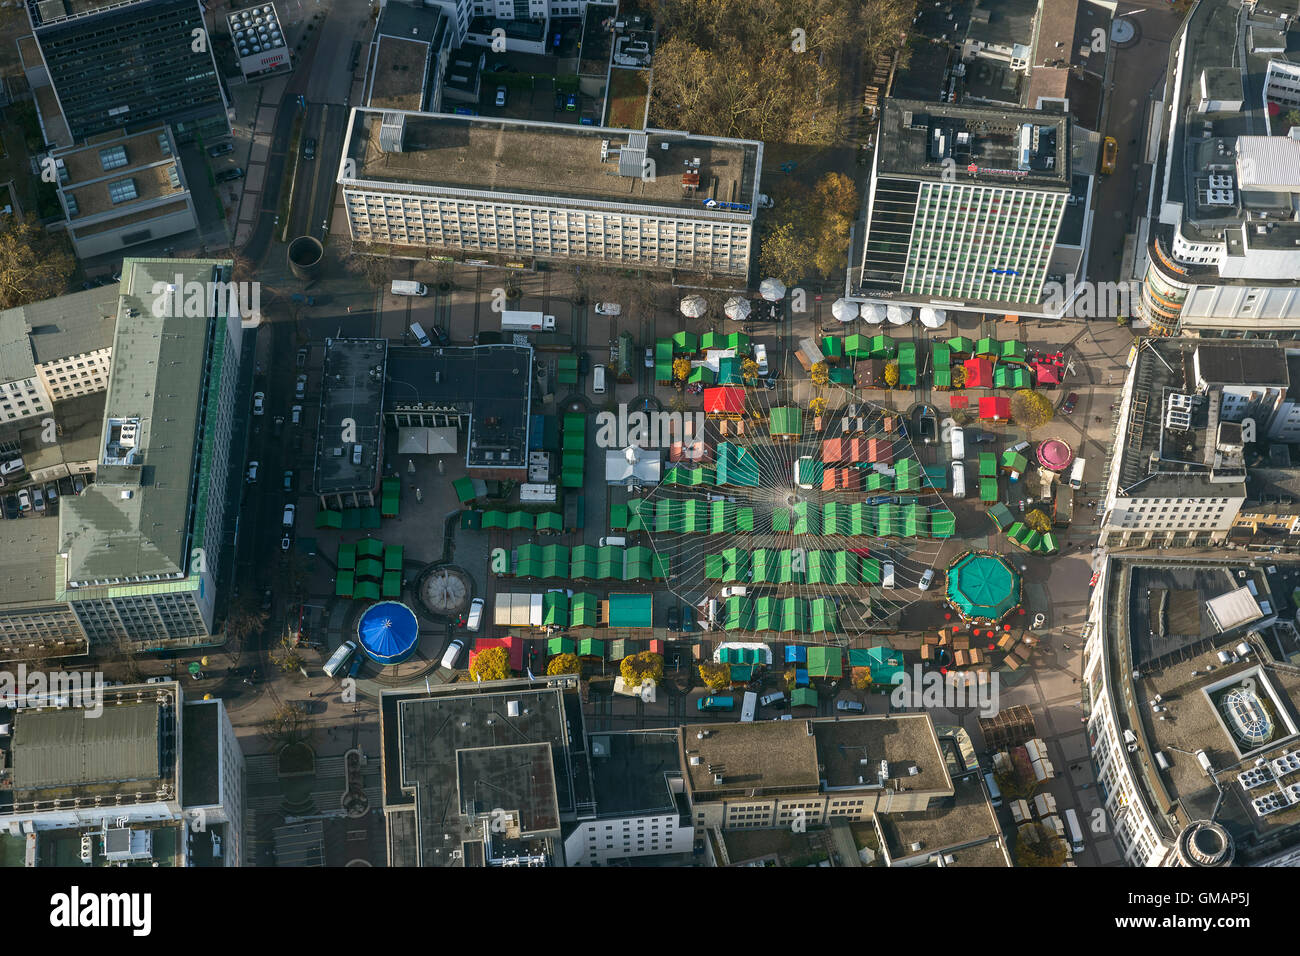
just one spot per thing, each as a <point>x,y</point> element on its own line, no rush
<point>491,664</point>
<point>819,374</point>
<point>681,369</point>
<point>564,664</point>
<point>891,374</point>
<point>715,676</point>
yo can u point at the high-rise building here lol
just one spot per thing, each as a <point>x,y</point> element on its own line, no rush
<point>522,190</point>
<point>965,206</point>
<point>1222,241</point>
<point>131,63</point>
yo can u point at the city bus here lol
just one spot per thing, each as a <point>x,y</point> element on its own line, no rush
<point>1076,834</point>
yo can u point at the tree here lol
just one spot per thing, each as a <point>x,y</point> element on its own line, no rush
<point>1292,118</point>
<point>836,202</point>
<point>639,668</point>
<point>789,678</point>
<point>286,657</point>
<point>891,374</point>
<point>1016,779</point>
<point>564,664</point>
<point>807,234</point>
<point>749,370</point>
<point>817,406</point>
<point>715,676</point>
<point>491,664</point>
<point>1039,521</point>
<point>784,251</point>
<point>244,620</point>
<point>819,374</point>
<point>288,724</point>
<point>1037,846</point>
<point>681,369</point>
<point>860,678</point>
<point>1031,409</point>
<point>33,264</point>
<point>959,376</point>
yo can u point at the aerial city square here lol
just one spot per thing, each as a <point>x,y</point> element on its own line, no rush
<point>650,434</point>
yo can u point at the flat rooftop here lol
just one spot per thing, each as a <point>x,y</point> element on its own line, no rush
<point>352,391</point>
<point>398,79</point>
<point>201,753</point>
<point>1003,22</point>
<point>765,756</point>
<point>491,383</point>
<point>120,173</point>
<point>962,825</point>
<point>134,522</point>
<point>917,138</point>
<point>58,748</point>
<point>445,748</point>
<point>28,561</point>
<point>71,324</point>
<point>1179,593</point>
<point>630,771</point>
<point>519,160</point>
<point>908,742</point>
<point>46,12</point>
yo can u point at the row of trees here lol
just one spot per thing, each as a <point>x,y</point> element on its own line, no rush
<point>806,235</point>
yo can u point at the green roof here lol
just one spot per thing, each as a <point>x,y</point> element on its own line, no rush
<point>803,697</point>
<point>825,662</point>
<point>983,586</point>
<point>1001,515</point>
<point>135,521</point>
<point>988,489</point>
<point>631,610</point>
<point>786,421</point>
<point>464,488</point>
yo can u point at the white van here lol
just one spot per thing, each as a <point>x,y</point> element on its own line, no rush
<point>958,480</point>
<point>615,540</point>
<point>888,577</point>
<point>475,619</point>
<point>287,520</point>
<point>598,380</point>
<point>418,331</point>
<point>407,287</point>
<point>339,659</point>
<point>1076,473</point>
<point>958,438</point>
<point>995,795</point>
<point>748,707</point>
<point>452,654</point>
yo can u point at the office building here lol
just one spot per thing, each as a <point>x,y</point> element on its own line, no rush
<point>409,54</point>
<point>135,557</point>
<point>640,806</point>
<point>1189,709</point>
<point>483,775</point>
<point>1222,241</point>
<point>123,190</point>
<point>965,206</point>
<point>130,775</point>
<point>506,190</point>
<point>133,64</point>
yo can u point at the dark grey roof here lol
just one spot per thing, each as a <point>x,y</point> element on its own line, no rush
<point>16,361</point>
<point>27,560</point>
<point>352,391</point>
<point>63,748</point>
<point>631,770</point>
<point>1242,363</point>
<point>201,753</point>
<point>73,324</point>
<point>1003,22</point>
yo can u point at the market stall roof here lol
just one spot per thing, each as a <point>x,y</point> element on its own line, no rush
<point>983,586</point>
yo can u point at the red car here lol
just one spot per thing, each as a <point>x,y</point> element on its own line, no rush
<point>1070,401</point>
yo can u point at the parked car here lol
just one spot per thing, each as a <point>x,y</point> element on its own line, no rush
<point>300,387</point>
<point>927,425</point>
<point>309,149</point>
<point>926,580</point>
<point>252,471</point>
<point>649,356</point>
<point>559,102</point>
<point>688,618</point>
<point>501,96</point>
<point>38,499</point>
<point>11,506</point>
<point>1070,401</point>
<point>296,414</point>
<point>608,308</point>
<point>301,361</point>
<point>286,543</point>
<point>157,680</point>
<point>78,486</point>
<point>980,437</point>
<point>24,500</point>
<point>11,467</point>
<point>266,599</point>
<point>288,481</point>
<point>229,175</point>
<point>441,335</point>
<point>475,619</point>
<point>571,102</point>
<point>259,403</point>
<point>674,618</point>
<point>852,706</point>
<point>221,149</point>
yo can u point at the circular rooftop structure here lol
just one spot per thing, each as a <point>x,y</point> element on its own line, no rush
<point>388,632</point>
<point>1055,454</point>
<point>983,586</point>
<point>1205,843</point>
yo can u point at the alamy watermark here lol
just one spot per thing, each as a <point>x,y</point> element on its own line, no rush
<point>956,689</point>
<point>202,299</point>
<point>1091,300</point>
<point>25,689</point>
<point>623,429</point>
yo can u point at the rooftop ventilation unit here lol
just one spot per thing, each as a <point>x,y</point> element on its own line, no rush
<point>1178,412</point>
<point>392,132</point>
<point>631,158</point>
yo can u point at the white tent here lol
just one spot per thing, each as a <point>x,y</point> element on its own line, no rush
<point>873,312</point>
<point>773,290</point>
<point>844,310</point>
<point>898,315</point>
<point>737,308</point>
<point>933,318</point>
<point>694,306</point>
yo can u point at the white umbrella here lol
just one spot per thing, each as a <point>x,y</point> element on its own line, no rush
<point>737,308</point>
<point>773,290</point>
<point>873,312</point>
<point>898,315</point>
<point>694,306</point>
<point>933,318</point>
<point>844,310</point>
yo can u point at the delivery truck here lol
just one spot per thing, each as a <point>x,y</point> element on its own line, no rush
<point>526,322</point>
<point>407,287</point>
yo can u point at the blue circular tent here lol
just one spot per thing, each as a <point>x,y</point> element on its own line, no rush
<point>388,632</point>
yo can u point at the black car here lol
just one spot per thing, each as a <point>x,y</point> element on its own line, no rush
<point>977,437</point>
<point>674,617</point>
<point>229,175</point>
<point>927,425</point>
<point>441,335</point>
<point>11,506</point>
<point>221,149</point>
<point>688,618</point>
<point>266,600</point>
<point>309,149</point>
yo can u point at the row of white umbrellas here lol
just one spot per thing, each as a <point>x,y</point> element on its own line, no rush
<point>738,308</point>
